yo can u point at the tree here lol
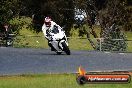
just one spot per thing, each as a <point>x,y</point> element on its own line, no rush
<point>112,16</point>
<point>9,9</point>
<point>61,11</point>
<point>112,19</point>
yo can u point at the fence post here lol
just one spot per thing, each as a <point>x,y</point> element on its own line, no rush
<point>100,45</point>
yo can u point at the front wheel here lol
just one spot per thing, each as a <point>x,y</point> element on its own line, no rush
<point>66,48</point>
<point>58,53</point>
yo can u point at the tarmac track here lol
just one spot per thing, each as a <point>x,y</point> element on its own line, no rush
<point>14,61</point>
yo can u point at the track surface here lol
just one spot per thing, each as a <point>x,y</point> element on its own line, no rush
<point>31,61</point>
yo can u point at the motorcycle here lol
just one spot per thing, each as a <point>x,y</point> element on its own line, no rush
<point>58,40</point>
<point>5,36</point>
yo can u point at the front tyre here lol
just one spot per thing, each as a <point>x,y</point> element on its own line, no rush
<point>58,53</point>
<point>66,48</point>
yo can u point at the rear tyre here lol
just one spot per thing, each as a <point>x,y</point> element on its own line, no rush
<point>66,48</point>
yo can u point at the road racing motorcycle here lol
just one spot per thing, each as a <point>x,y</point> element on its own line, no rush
<point>58,41</point>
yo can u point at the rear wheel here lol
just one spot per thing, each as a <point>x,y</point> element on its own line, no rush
<point>66,48</point>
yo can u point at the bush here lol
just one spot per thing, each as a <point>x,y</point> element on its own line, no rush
<point>19,23</point>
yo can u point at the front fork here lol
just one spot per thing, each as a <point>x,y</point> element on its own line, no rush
<point>55,45</point>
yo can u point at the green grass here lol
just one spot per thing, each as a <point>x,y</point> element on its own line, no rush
<point>51,81</point>
<point>38,41</point>
<point>129,37</point>
<point>28,38</point>
<point>79,44</point>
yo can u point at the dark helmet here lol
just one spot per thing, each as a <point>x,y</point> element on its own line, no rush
<point>47,21</point>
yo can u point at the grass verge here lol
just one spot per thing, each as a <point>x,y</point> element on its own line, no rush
<point>38,41</point>
<point>51,81</point>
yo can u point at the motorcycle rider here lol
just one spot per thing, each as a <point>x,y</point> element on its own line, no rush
<point>47,29</point>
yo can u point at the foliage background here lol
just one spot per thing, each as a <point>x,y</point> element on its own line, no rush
<point>29,14</point>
